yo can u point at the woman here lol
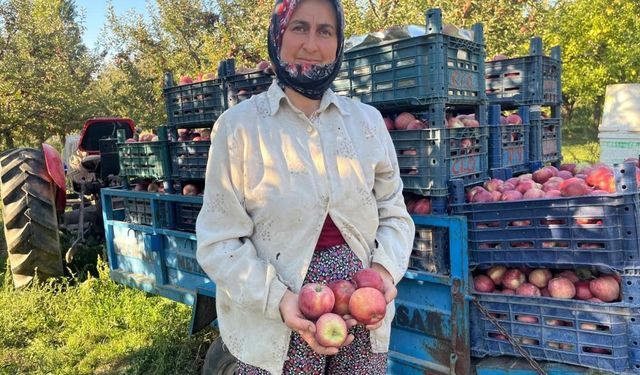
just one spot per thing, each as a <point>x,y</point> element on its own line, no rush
<point>301,186</point>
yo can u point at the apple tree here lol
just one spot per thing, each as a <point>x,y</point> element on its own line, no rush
<point>44,71</point>
<point>600,45</point>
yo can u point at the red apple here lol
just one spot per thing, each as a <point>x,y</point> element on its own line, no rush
<point>511,195</point>
<point>508,291</point>
<point>367,305</point>
<point>262,65</point>
<point>496,273</point>
<point>568,274</point>
<point>526,289</point>
<point>423,206</point>
<point>582,290</point>
<point>342,291</point>
<point>315,299</point>
<point>368,277</point>
<point>605,288</point>
<point>483,284</point>
<point>185,80</point>
<point>513,278</point>
<point>514,120</point>
<point>561,287</point>
<point>389,123</point>
<point>540,277</point>
<point>403,120</point>
<point>331,330</point>
<point>190,189</point>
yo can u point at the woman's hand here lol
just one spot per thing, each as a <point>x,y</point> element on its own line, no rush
<point>294,319</point>
<point>389,290</point>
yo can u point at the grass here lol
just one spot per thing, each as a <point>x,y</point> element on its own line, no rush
<point>87,324</point>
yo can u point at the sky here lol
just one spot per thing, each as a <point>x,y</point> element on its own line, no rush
<point>96,15</point>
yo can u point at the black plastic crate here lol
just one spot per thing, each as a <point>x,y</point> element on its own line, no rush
<point>244,85</point>
<point>417,71</point>
<point>508,144</point>
<point>429,159</point>
<point>528,80</point>
<point>189,159</point>
<point>603,336</point>
<point>546,136</point>
<point>186,215</point>
<point>600,230</point>
<point>430,250</point>
<point>194,105</point>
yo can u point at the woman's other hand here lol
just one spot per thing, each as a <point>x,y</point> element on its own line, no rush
<point>293,318</point>
<point>389,290</point>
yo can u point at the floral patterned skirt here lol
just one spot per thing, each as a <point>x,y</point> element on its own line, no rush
<point>333,263</point>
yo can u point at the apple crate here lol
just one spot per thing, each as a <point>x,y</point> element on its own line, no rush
<point>144,159</point>
<point>189,159</point>
<point>508,144</point>
<point>186,215</point>
<point>603,336</point>
<point>600,230</point>
<point>142,209</point>
<point>430,250</point>
<point>242,86</point>
<point>180,263</point>
<point>527,80</point>
<point>194,105</point>
<point>429,159</point>
<point>417,71</point>
<point>545,142</point>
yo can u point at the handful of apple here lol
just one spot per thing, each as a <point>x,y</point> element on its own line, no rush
<point>327,304</point>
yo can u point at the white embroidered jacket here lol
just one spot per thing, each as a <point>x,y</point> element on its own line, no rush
<point>272,177</point>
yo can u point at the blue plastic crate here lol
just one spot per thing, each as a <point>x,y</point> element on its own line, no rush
<point>441,155</point>
<point>189,159</point>
<point>546,136</point>
<point>430,250</point>
<point>528,80</point>
<point>617,331</point>
<point>194,105</point>
<point>560,232</point>
<point>508,144</point>
<point>180,263</point>
<point>417,71</point>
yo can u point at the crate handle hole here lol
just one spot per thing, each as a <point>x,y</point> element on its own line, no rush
<point>630,298</point>
<point>633,319</point>
<point>636,344</point>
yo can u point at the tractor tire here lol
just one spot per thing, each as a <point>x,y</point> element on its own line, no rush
<point>29,215</point>
<point>218,360</point>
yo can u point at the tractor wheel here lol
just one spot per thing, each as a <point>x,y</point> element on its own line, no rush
<point>218,360</point>
<point>29,215</point>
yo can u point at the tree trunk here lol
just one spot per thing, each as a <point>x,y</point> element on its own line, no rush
<point>597,112</point>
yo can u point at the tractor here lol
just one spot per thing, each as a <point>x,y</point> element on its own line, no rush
<point>36,205</point>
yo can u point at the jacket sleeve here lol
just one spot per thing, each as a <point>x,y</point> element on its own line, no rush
<point>223,229</point>
<point>396,230</point>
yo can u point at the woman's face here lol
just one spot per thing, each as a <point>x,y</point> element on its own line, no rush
<point>311,35</point>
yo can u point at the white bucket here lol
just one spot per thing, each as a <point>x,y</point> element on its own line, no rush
<point>621,111</point>
<point>615,147</point>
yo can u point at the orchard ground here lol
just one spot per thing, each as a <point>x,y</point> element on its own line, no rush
<point>88,324</point>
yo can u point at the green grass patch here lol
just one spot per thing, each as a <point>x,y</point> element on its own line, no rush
<point>95,326</point>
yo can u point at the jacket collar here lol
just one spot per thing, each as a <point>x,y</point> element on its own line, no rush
<point>276,97</point>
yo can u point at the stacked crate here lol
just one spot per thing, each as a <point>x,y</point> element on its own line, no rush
<point>533,81</point>
<point>434,77</point>
<point>595,234</point>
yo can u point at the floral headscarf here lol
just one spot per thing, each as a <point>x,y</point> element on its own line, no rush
<point>310,80</point>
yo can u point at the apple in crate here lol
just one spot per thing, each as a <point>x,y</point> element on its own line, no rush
<point>331,330</point>
<point>315,299</point>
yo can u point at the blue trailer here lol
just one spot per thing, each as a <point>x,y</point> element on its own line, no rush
<point>430,333</point>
